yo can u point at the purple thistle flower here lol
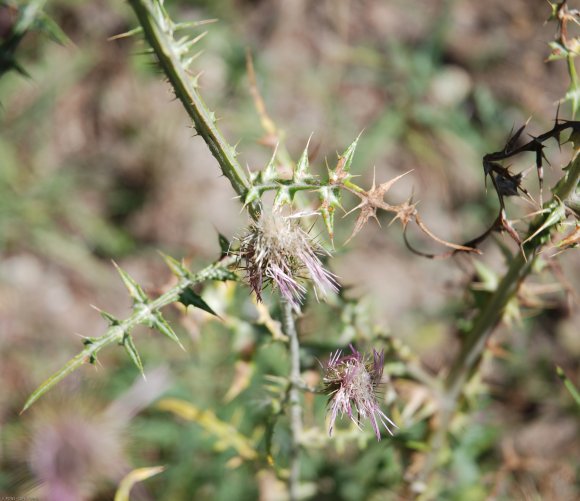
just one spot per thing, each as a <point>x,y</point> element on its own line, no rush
<point>278,252</point>
<point>352,381</point>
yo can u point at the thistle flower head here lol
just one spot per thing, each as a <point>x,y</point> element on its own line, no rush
<point>73,449</point>
<point>277,251</point>
<point>352,381</point>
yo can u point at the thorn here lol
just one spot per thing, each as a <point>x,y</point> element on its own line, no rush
<point>125,35</point>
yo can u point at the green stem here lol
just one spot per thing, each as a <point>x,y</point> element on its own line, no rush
<point>294,399</point>
<point>572,71</point>
<point>158,31</point>
<point>468,358</point>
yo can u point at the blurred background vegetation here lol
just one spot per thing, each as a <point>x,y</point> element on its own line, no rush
<point>97,162</point>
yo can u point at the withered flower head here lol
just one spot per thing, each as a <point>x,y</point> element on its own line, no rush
<point>73,450</point>
<point>352,381</point>
<point>277,251</point>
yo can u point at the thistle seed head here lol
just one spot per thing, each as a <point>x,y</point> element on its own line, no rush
<point>277,251</point>
<point>352,381</point>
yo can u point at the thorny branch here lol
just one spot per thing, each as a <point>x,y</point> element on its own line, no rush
<point>507,183</point>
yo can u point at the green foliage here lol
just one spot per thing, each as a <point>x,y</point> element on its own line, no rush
<point>17,22</point>
<point>569,385</point>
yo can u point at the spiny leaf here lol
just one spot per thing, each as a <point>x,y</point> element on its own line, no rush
<point>47,26</point>
<point>558,51</point>
<point>177,268</point>
<point>135,290</point>
<point>302,170</point>
<point>488,279</point>
<point>556,216</point>
<point>330,198</point>
<point>133,353</point>
<point>345,160</point>
<point>158,322</point>
<point>252,194</point>
<point>16,66</point>
<point>283,196</point>
<point>112,320</point>
<point>224,244</point>
<point>270,173</point>
<point>189,298</point>
<point>569,385</point>
<point>327,212</point>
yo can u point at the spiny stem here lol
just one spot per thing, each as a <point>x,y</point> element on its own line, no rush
<point>469,356</point>
<point>294,399</point>
<point>160,37</point>
<point>491,314</point>
<point>115,333</point>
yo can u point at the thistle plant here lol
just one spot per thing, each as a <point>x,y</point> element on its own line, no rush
<point>280,250</point>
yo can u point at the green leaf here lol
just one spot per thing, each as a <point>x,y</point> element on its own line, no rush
<point>111,319</point>
<point>158,322</point>
<point>283,196</point>
<point>348,155</point>
<point>270,173</point>
<point>177,268</point>
<point>327,212</point>
<point>133,353</point>
<point>254,193</point>
<point>569,385</point>
<point>558,51</point>
<point>135,290</point>
<point>330,198</point>
<point>47,26</point>
<point>556,215</point>
<point>16,66</point>
<point>189,298</point>
<point>487,277</point>
<point>224,244</point>
<point>302,170</point>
